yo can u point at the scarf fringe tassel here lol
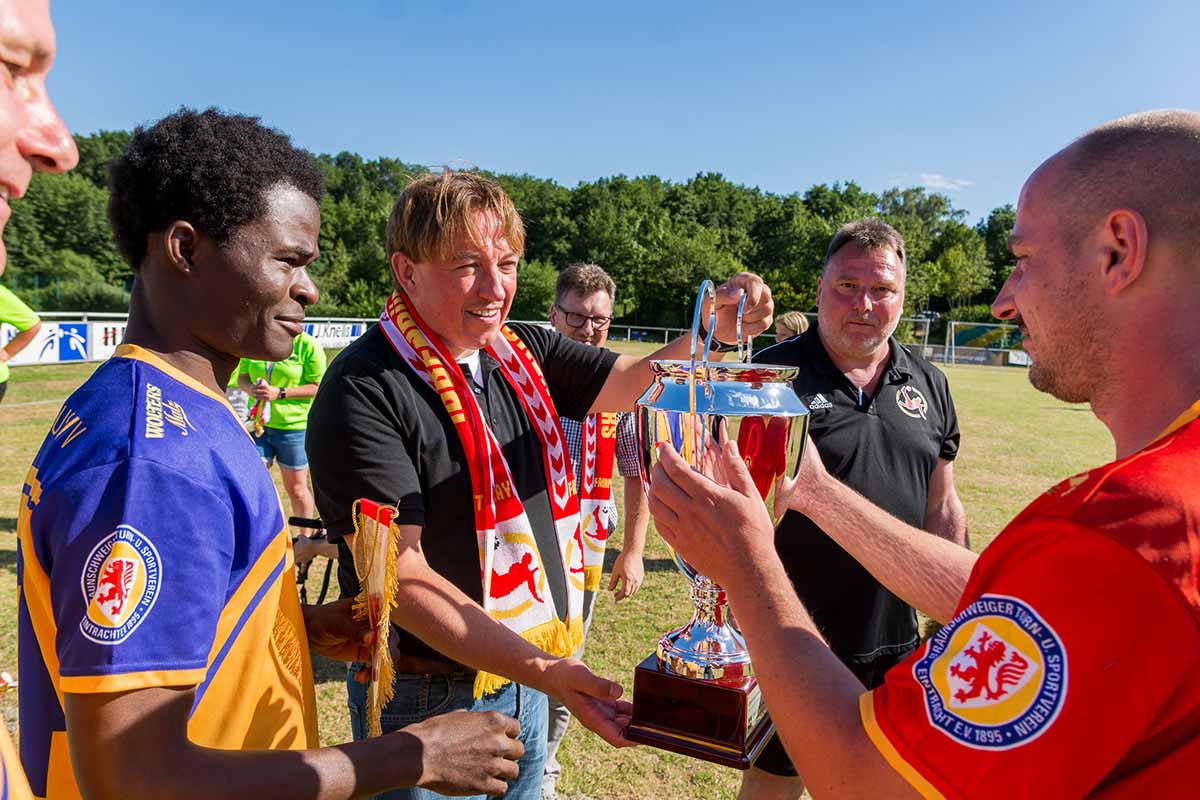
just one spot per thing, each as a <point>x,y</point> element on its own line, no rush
<point>556,637</point>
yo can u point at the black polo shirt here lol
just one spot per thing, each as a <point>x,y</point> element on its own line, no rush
<point>377,430</point>
<point>885,447</point>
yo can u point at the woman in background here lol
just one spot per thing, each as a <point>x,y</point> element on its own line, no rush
<point>793,323</point>
<point>281,394</point>
<point>25,320</point>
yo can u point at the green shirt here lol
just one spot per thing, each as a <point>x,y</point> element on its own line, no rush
<point>305,365</point>
<point>17,314</point>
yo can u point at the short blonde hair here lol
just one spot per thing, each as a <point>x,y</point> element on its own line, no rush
<point>436,209</point>
<point>793,321</point>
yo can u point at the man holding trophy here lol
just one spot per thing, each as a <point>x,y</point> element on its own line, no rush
<point>448,415</point>
<point>1069,665</point>
<point>884,423</point>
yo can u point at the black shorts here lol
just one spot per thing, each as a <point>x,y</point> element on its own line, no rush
<point>774,759</point>
<point>3,389</point>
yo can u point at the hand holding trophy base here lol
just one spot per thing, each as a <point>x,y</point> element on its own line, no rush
<point>697,694</point>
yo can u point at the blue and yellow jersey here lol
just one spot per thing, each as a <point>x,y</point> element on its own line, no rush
<point>13,785</point>
<point>153,552</point>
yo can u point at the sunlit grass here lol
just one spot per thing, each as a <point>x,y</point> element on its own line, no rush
<point>1015,443</point>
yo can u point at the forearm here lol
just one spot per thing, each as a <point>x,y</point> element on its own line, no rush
<point>948,520</point>
<point>630,376</point>
<point>21,341</point>
<point>927,572</point>
<point>637,517</point>
<point>354,769</point>
<point>445,618</point>
<point>149,726</point>
<point>303,390</point>
<point>812,696</point>
<point>244,383</point>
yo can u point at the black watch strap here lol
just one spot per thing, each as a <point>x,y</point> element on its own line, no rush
<point>717,346</point>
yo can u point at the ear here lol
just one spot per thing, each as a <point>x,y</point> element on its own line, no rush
<point>179,245</point>
<point>404,271</point>
<point>820,281</point>
<point>1125,242</point>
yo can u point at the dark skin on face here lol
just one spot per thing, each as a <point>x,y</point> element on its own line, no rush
<point>200,305</point>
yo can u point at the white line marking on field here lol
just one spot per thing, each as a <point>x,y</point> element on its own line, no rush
<point>30,403</point>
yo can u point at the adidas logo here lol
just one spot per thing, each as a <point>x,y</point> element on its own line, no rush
<point>818,401</point>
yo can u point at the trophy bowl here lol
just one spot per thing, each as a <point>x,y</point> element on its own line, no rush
<point>696,694</point>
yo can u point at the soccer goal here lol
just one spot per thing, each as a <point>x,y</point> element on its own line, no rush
<point>913,332</point>
<point>984,343</point>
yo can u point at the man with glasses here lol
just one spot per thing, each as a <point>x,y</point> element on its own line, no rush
<point>583,305</point>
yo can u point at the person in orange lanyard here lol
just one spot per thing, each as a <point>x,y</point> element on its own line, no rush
<point>1069,664</point>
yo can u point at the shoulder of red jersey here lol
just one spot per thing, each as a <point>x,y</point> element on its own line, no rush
<point>1147,502</point>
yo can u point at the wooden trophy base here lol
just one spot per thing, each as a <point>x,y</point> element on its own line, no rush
<point>722,722</point>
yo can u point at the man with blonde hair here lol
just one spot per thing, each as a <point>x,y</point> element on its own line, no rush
<point>448,415</point>
<point>1069,665</point>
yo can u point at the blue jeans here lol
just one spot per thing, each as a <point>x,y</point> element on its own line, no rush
<point>419,697</point>
<point>286,447</point>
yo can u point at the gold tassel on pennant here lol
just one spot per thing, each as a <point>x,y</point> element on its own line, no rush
<point>376,548</point>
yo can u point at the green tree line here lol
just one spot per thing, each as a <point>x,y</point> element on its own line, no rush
<point>658,239</point>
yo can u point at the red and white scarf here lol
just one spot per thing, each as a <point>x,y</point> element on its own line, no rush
<point>515,591</point>
<point>596,509</point>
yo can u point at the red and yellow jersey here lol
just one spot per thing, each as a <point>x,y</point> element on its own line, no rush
<point>152,552</point>
<point>1072,667</point>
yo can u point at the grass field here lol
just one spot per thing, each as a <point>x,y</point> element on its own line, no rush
<point>1015,443</point>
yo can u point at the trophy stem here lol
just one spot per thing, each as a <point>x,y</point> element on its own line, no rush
<point>709,599</point>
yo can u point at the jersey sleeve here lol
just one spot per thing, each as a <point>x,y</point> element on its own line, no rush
<point>314,362</point>
<point>15,312</point>
<point>950,432</point>
<point>1070,649</point>
<point>141,558</point>
<point>355,450</point>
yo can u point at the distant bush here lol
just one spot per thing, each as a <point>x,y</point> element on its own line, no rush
<point>980,312</point>
<point>535,291</point>
<point>83,296</point>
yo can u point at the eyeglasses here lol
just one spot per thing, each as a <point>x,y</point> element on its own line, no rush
<point>577,320</point>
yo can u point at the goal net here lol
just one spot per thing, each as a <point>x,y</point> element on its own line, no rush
<point>984,343</point>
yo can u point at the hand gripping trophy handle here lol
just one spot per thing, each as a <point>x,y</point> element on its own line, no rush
<point>694,406</point>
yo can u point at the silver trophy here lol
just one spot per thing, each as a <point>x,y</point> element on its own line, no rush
<point>697,693</point>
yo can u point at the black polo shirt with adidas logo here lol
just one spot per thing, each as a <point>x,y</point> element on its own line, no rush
<point>885,447</point>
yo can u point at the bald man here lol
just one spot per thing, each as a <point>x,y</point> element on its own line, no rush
<point>32,139</point>
<point>1070,660</point>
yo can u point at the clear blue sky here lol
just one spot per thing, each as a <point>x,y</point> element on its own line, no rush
<point>962,97</point>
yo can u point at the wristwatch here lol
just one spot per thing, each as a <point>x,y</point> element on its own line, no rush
<point>283,393</point>
<point>716,346</point>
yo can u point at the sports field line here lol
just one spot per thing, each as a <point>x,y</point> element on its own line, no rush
<point>31,403</point>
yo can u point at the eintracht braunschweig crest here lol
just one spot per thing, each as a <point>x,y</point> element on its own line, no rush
<point>995,677</point>
<point>120,583</point>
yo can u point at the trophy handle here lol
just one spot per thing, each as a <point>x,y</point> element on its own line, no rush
<point>743,356</point>
<point>706,290</point>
